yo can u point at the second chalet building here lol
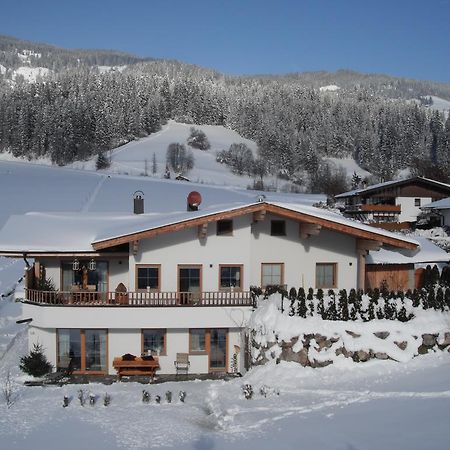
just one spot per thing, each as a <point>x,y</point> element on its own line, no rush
<point>393,204</point>
<point>175,283</point>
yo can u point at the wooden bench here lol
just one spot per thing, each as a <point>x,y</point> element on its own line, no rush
<point>138,366</point>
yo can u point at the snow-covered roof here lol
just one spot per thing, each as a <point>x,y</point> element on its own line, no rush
<point>426,253</point>
<point>440,204</point>
<point>379,186</point>
<point>79,232</point>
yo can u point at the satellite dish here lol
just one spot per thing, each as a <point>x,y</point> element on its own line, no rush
<point>193,200</point>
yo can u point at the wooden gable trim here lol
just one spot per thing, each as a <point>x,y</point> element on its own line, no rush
<point>277,210</point>
<point>340,227</point>
<point>188,223</point>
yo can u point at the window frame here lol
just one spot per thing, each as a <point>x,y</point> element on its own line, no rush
<point>334,265</point>
<point>280,222</point>
<point>417,202</point>
<point>164,349</point>
<point>82,370</point>
<point>225,233</point>
<point>281,264</point>
<point>241,277</point>
<point>207,342</point>
<point>147,266</point>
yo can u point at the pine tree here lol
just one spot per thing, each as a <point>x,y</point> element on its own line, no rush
<point>301,309</point>
<point>320,303</point>
<point>35,363</point>
<point>415,298</point>
<point>310,298</point>
<point>343,305</point>
<point>440,303</point>
<point>293,299</point>
<point>102,161</point>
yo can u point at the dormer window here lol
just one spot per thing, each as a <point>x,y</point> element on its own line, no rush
<point>278,228</point>
<point>224,227</point>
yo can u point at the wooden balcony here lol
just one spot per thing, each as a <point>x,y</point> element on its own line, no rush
<point>149,299</point>
<point>396,209</point>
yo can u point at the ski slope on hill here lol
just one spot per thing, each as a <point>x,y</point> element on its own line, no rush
<point>136,157</point>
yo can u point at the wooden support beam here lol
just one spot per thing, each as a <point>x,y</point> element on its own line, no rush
<point>135,247</point>
<point>307,230</point>
<point>368,245</point>
<point>202,230</point>
<point>258,216</point>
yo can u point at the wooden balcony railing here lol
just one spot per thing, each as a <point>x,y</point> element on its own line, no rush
<point>153,299</point>
<point>373,208</point>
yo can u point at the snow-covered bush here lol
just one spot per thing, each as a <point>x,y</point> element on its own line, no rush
<point>198,139</point>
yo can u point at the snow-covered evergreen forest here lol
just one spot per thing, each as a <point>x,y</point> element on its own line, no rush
<point>80,109</point>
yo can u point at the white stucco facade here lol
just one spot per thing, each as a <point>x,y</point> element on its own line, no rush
<point>250,245</point>
<point>409,209</point>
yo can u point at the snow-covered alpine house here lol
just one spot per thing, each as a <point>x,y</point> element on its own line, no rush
<point>165,284</point>
<point>393,204</point>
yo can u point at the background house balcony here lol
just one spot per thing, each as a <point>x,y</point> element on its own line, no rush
<point>155,299</point>
<point>373,208</point>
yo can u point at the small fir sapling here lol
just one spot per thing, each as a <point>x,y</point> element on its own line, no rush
<point>445,276</point>
<point>426,280</point>
<point>310,298</point>
<point>380,313</point>
<point>320,304</point>
<point>169,397</point>
<point>102,161</point>
<point>182,396</point>
<point>371,310</point>
<point>301,308</point>
<point>352,296</point>
<point>424,298</point>
<point>331,312</point>
<point>447,299</point>
<point>66,401</point>
<point>402,315</point>
<point>431,299</point>
<point>343,305</point>
<point>440,303</point>
<point>35,363</point>
<point>415,297</point>
<point>92,399</point>
<point>435,275</point>
<point>375,295</point>
<point>106,399</point>
<point>158,399</point>
<point>359,305</point>
<point>293,299</point>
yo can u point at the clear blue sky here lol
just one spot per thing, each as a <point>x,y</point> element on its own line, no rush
<point>399,37</point>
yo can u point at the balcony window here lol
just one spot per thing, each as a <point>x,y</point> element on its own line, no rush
<point>148,277</point>
<point>97,280</point>
<point>230,277</point>
<point>326,275</point>
<point>272,274</point>
<point>417,202</point>
<point>154,341</point>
